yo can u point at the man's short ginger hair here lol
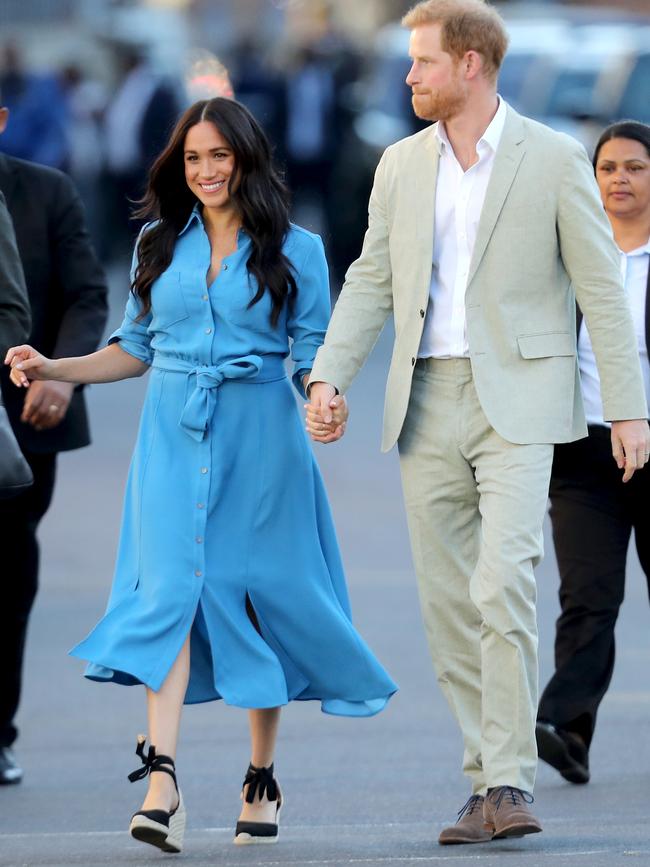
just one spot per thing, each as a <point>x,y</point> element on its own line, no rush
<point>466,25</point>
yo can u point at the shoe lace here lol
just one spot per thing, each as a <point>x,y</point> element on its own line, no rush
<point>513,796</point>
<point>260,780</point>
<point>473,803</point>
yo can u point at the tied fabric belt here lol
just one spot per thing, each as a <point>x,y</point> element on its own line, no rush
<point>206,379</point>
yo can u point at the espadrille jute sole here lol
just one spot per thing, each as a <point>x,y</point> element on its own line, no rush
<point>167,839</point>
<point>246,839</point>
<point>250,840</point>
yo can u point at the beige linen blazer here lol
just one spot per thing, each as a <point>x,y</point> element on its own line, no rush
<point>543,241</point>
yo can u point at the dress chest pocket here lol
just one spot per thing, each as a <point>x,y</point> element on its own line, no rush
<point>168,302</point>
<point>255,318</point>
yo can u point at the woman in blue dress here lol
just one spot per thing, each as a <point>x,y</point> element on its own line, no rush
<point>228,582</point>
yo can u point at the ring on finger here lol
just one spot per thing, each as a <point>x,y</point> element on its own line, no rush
<point>53,407</point>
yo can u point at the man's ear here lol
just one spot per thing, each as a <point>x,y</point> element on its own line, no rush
<point>4,118</point>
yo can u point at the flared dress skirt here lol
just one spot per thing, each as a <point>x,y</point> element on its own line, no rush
<point>227,534</point>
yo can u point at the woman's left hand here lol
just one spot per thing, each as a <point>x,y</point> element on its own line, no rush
<point>328,432</point>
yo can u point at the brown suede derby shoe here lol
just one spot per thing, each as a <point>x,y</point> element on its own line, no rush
<point>469,828</point>
<point>506,813</point>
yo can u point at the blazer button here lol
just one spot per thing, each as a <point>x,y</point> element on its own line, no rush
<point>422,313</point>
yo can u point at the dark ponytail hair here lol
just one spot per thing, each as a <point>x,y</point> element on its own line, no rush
<point>632,129</point>
<point>255,188</point>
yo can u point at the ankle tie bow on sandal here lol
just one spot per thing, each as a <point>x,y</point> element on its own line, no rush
<point>159,828</point>
<point>260,782</point>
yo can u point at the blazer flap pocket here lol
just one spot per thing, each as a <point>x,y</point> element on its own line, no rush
<point>546,345</point>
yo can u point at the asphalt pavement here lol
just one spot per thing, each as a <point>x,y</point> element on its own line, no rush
<point>366,792</point>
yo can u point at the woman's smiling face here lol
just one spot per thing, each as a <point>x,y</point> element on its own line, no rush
<point>209,165</point>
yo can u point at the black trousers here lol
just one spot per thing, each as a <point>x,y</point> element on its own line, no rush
<point>593,514</point>
<point>19,520</point>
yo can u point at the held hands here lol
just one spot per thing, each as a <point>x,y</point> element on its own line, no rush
<point>28,364</point>
<point>630,445</point>
<point>327,413</point>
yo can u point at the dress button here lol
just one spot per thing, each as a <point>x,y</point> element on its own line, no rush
<point>198,573</point>
<point>204,470</point>
<point>208,331</point>
<point>200,505</point>
<point>199,540</point>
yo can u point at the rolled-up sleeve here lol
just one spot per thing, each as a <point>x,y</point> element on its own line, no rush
<point>133,334</point>
<point>308,319</point>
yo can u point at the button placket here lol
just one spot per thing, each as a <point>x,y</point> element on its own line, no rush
<point>201,512</point>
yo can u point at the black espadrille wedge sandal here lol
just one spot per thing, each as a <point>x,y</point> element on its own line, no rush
<point>259,780</point>
<point>158,827</point>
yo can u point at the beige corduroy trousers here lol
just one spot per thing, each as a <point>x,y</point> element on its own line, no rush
<point>475,505</point>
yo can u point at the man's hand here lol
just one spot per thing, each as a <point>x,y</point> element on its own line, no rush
<point>630,445</point>
<point>327,413</point>
<point>46,404</point>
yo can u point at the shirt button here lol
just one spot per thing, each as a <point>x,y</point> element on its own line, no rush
<point>225,267</point>
<point>413,362</point>
<point>199,540</point>
<point>198,573</point>
<point>204,470</point>
<point>422,313</point>
<point>206,297</point>
<point>200,505</point>
<point>208,331</point>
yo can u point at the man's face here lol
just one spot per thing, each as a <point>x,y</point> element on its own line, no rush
<point>439,90</point>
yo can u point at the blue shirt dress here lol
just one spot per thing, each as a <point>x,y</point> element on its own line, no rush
<point>227,530</point>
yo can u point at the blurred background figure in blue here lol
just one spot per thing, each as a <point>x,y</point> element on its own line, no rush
<point>38,111</point>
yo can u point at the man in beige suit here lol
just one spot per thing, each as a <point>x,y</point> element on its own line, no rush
<point>483,230</point>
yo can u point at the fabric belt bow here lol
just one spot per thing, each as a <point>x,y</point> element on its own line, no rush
<point>201,403</point>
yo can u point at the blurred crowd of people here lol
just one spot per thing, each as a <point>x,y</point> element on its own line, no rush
<point>106,137</point>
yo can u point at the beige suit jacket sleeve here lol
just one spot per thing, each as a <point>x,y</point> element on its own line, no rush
<point>365,301</point>
<point>591,260</point>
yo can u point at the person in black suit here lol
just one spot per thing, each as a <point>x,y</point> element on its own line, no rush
<point>67,293</point>
<point>592,513</point>
<point>15,319</point>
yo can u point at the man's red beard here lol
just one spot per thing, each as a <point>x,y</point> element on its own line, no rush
<point>440,105</point>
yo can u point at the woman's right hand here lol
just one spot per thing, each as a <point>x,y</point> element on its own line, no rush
<point>27,364</point>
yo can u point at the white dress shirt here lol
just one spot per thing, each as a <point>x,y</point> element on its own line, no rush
<point>634,270</point>
<point>459,201</point>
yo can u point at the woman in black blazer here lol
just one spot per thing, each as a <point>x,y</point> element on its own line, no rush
<point>593,514</point>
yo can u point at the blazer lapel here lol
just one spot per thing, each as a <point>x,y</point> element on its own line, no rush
<point>420,218</point>
<point>7,179</point>
<point>506,163</point>
<point>647,312</point>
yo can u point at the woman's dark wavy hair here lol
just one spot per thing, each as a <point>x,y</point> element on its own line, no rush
<point>255,188</point>
<point>632,129</point>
